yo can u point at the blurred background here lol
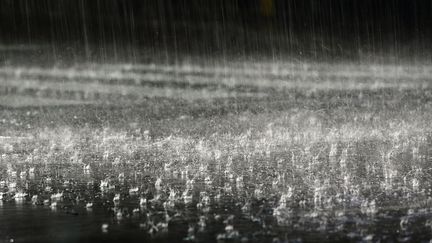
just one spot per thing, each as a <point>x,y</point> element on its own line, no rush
<point>139,29</point>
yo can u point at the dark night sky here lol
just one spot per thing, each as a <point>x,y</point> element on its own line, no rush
<point>331,27</point>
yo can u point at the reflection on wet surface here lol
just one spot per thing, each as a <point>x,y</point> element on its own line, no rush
<point>113,201</point>
<point>294,166</point>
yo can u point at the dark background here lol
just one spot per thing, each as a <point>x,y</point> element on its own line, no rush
<point>311,28</point>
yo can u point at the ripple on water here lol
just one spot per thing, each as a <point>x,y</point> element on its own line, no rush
<point>211,206</point>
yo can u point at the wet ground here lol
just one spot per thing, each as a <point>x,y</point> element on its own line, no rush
<point>270,153</point>
<point>70,203</point>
